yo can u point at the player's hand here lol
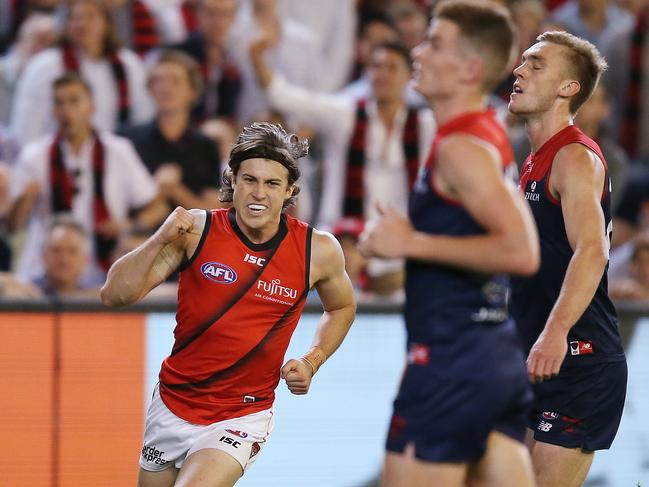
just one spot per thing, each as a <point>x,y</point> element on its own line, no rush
<point>388,237</point>
<point>177,224</point>
<point>547,355</point>
<point>297,374</point>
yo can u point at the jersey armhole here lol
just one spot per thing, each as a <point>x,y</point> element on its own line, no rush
<point>201,242</point>
<point>307,257</point>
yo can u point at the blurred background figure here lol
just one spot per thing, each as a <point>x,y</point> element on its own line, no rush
<point>66,255</point>
<point>634,286</point>
<point>209,46</point>
<point>95,176</point>
<point>411,23</point>
<point>37,33</point>
<point>89,46</point>
<point>184,162</point>
<point>13,14</point>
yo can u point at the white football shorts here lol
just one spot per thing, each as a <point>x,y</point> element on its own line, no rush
<point>169,440</point>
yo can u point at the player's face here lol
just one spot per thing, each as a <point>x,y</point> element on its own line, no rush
<point>86,27</point>
<point>73,109</point>
<point>171,88</point>
<point>538,80</point>
<point>389,74</point>
<point>65,257</point>
<point>438,61</point>
<point>260,189</point>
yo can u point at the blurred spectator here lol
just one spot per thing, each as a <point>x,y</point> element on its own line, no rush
<point>373,29</point>
<point>347,231</point>
<point>291,50</point>
<point>635,286</point>
<point>592,20</point>
<point>37,33</point>
<point>628,85</point>
<point>373,147</point>
<point>14,12</point>
<point>88,46</point>
<point>631,216</point>
<point>590,118</point>
<point>333,23</point>
<point>95,176</point>
<point>5,250</point>
<point>146,24</point>
<point>12,288</point>
<point>184,162</point>
<point>66,255</point>
<point>209,47</point>
<point>411,23</point>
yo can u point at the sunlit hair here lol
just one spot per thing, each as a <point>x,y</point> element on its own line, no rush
<point>584,62</point>
<point>489,31</point>
<point>265,140</point>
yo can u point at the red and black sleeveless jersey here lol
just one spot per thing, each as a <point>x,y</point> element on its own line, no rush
<point>594,338</point>
<point>238,305</point>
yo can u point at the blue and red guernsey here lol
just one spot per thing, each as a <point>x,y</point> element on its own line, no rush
<point>594,338</point>
<point>459,314</point>
<point>238,305</point>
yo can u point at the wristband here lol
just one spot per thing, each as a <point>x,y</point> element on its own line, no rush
<point>315,358</point>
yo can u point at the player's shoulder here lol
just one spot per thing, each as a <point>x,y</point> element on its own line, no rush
<point>575,158</point>
<point>465,149</point>
<point>325,248</point>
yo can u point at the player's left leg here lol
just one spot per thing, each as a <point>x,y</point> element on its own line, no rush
<point>505,463</point>
<point>557,466</point>
<point>209,468</point>
<point>400,469</point>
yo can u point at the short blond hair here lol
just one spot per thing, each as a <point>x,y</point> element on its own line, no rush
<point>489,29</point>
<point>584,61</point>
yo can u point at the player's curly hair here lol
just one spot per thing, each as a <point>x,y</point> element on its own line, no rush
<point>265,140</point>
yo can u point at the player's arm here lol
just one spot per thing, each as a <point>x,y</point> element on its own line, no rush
<point>577,180</point>
<point>135,274</point>
<point>337,295</point>
<point>471,173</point>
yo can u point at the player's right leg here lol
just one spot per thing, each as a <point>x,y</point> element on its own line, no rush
<point>506,463</point>
<point>164,478</point>
<point>401,469</point>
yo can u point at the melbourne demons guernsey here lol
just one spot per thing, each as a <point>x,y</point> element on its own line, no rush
<point>594,338</point>
<point>238,305</point>
<point>458,316</point>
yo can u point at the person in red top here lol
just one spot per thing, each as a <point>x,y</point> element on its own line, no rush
<point>566,320</point>
<point>244,276</point>
<point>460,413</point>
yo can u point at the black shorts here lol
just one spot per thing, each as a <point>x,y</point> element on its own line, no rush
<point>449,419</point>
<point>581,407</point>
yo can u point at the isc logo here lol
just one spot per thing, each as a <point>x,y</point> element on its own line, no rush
<point>230,441</point>
<point>253,259</point>
<point>217,272</point>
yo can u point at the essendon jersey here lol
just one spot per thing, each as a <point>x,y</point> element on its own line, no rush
<point>238,305</point>
<point>594,338</point>
<point>462,312</point>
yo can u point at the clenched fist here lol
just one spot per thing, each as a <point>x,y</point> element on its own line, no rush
<point>177,224</point>
<point>297,374</point>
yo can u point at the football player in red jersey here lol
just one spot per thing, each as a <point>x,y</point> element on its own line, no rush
<point>244,276</point>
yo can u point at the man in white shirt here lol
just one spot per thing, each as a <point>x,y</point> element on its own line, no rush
<point>89,47</point>
<point>94,176</point>
<point>387,154</point>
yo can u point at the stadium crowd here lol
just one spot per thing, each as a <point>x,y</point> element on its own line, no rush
<point>114,112</point>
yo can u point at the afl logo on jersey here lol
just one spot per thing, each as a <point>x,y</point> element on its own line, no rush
<point>217,272</point>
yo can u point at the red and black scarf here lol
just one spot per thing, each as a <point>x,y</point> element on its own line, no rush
<point>71,63</point>
<point>353,205</point>
<point>145,28</point>
<point>633,99</point>
<point>64,189</point>
<point>188,11</point>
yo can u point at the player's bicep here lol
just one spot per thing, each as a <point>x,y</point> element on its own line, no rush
<point>329,277</point>
<point>474,174</point>
<point>578,177</point>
